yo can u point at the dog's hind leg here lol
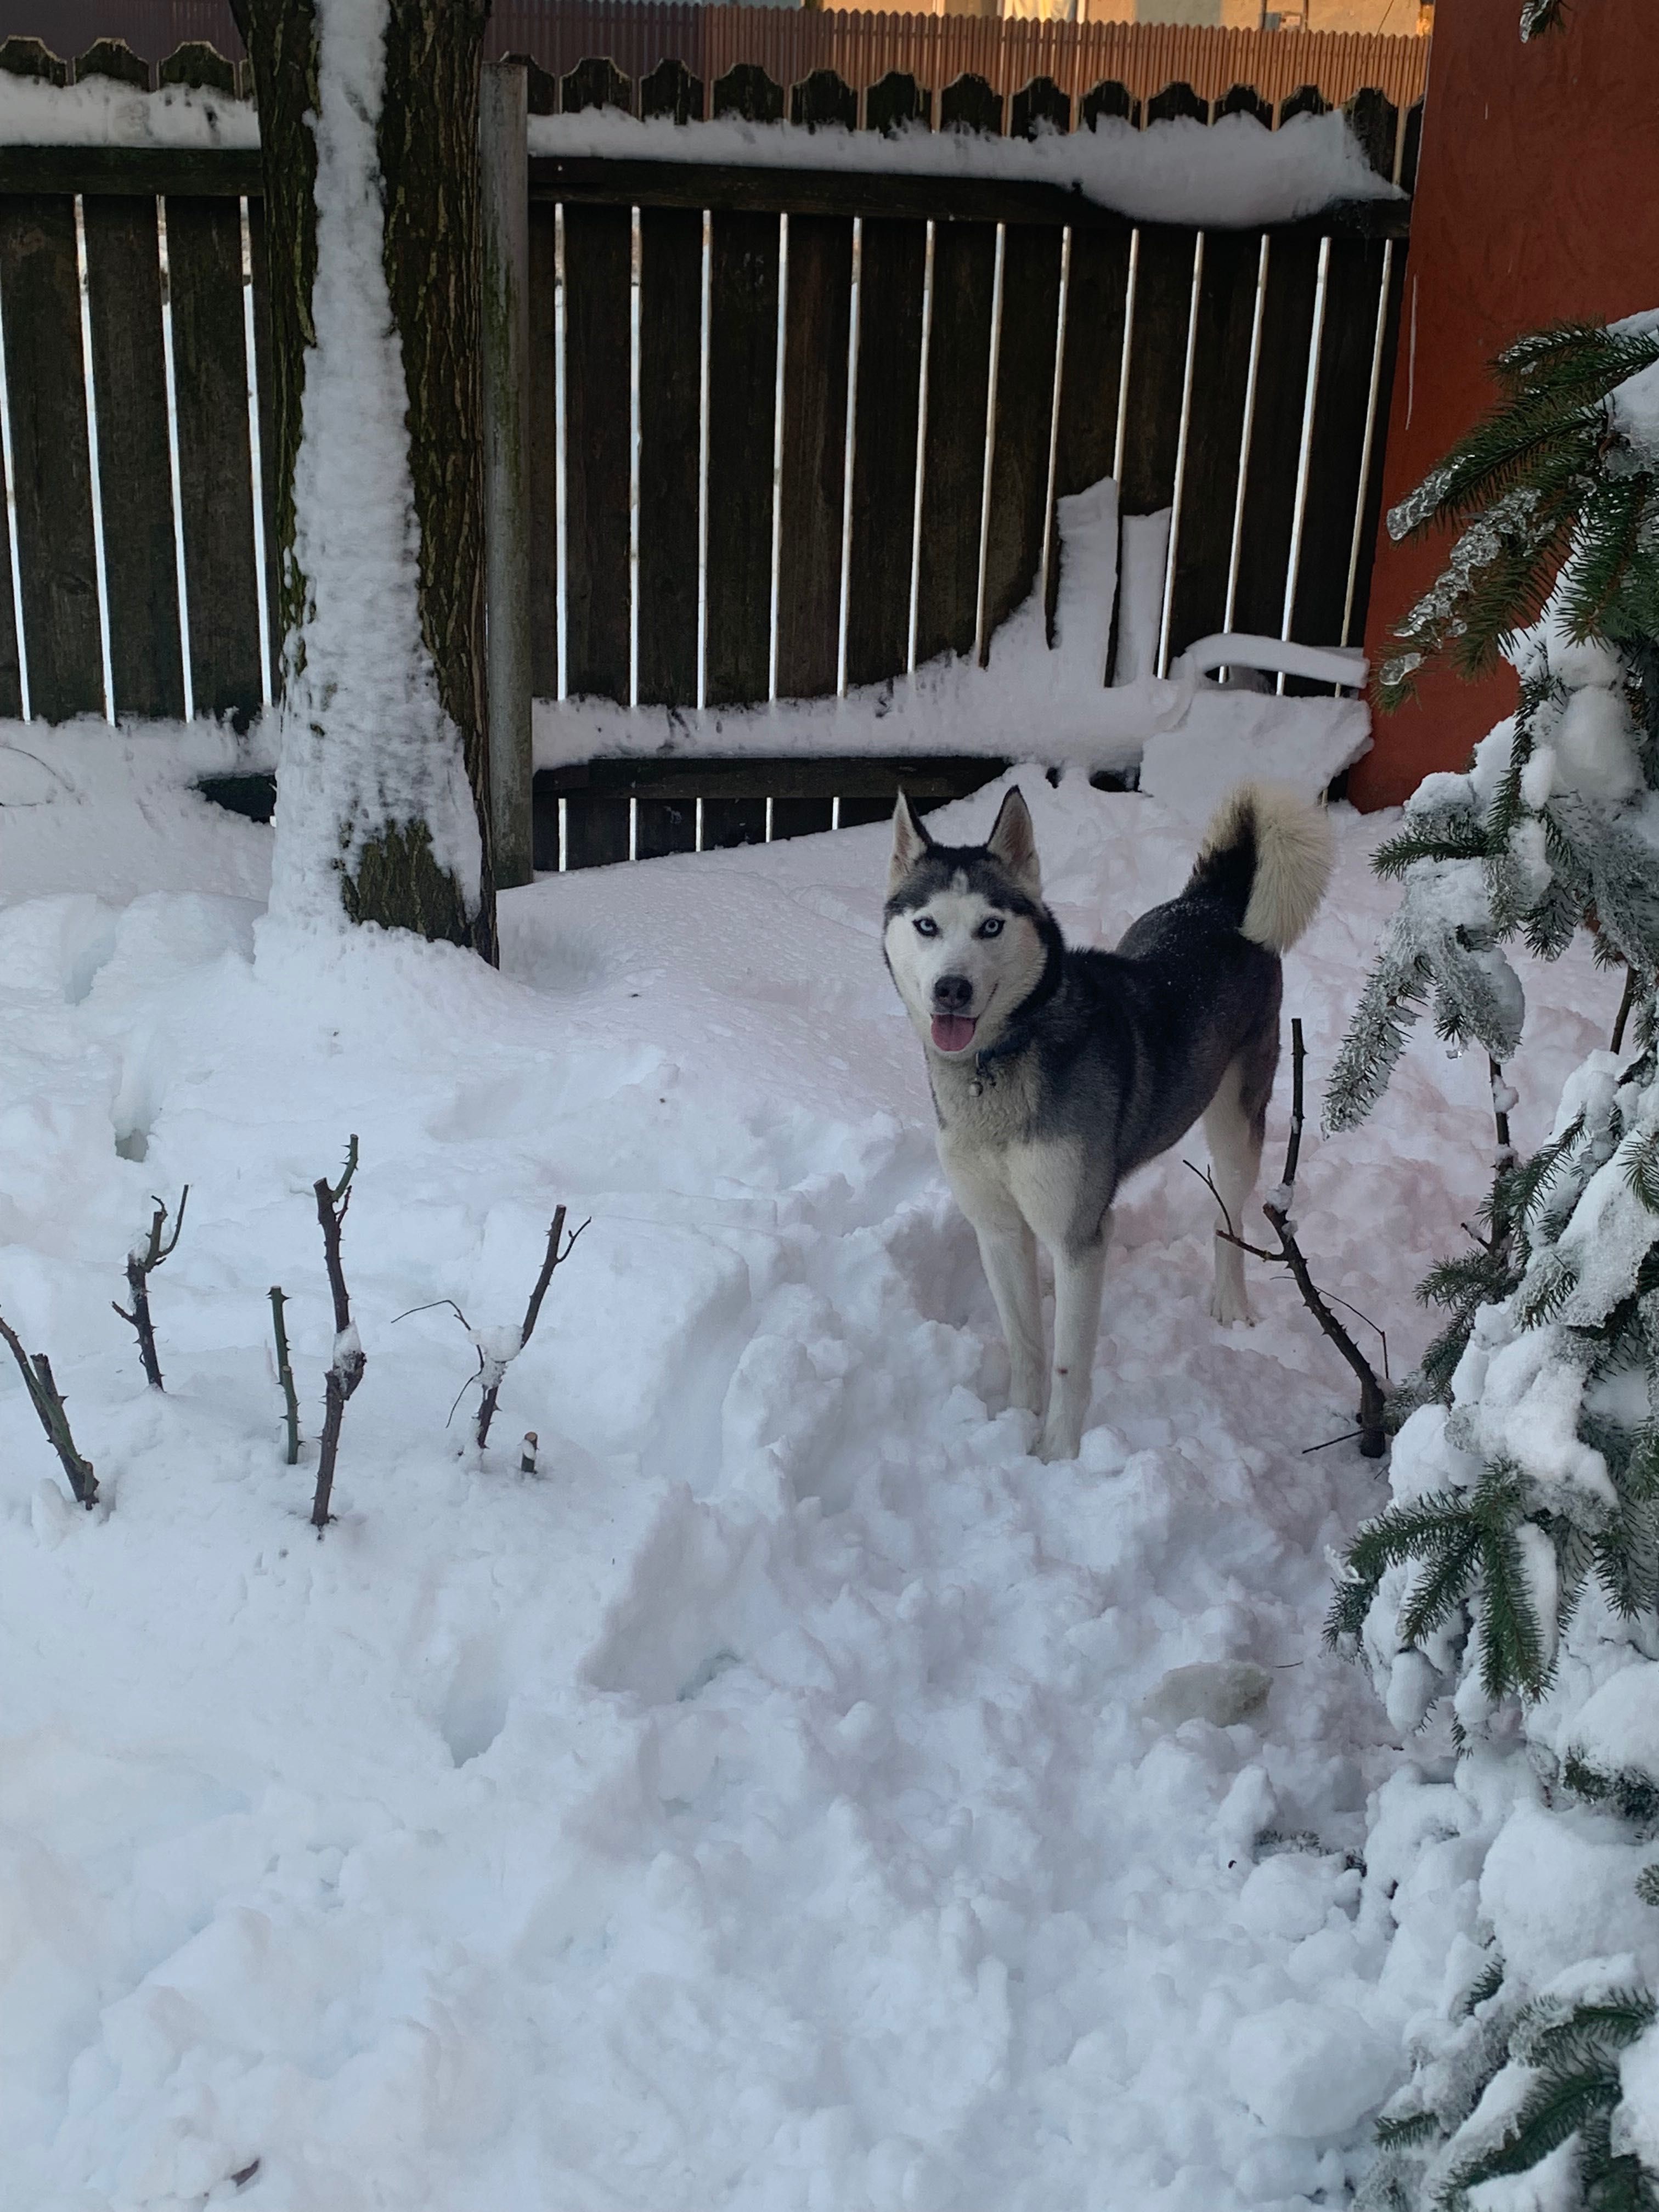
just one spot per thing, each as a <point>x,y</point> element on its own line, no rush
<point>1235,1123</point>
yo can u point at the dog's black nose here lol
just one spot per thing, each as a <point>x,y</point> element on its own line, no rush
<point>952,993</point>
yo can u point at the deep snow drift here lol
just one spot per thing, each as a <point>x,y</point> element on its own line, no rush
<point>758,1807</point>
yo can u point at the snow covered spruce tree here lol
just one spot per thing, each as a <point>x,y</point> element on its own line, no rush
<point>1512,1583</point>
<point>369,131</point>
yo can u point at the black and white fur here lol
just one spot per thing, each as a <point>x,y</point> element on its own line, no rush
<point>1056,1071</point>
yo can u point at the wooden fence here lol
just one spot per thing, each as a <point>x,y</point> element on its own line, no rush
<point>791,430</point>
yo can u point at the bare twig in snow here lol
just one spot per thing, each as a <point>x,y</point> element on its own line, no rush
<point>141,1262</point>
<point>1277,1208</point>
<point>1625,1004</point>
<point>527,1455</point>
<point>47,1400</point>
<point>1504,1103</point>
<point>285,1375</point>
<point>345,1369</point>
<point>494,1363</point>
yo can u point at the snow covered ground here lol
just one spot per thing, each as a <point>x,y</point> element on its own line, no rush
<point>759,1806</point>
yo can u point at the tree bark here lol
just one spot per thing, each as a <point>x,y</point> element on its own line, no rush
<point>388,869</point>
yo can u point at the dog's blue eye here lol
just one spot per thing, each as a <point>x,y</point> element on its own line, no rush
<point>926,926</point>
<point>991,926</point>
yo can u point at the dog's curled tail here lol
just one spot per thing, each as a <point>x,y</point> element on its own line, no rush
<point>1268,852</point>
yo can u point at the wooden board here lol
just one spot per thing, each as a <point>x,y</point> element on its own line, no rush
<point>39,284</point>
<point>1339,436</point>
<point>958,371</point>
<point>598,247</point>
<point>124,283</point>
<point>542,340</point>
<point>1025,383</point>
<point>608,179</point>
<point>1270,488</point>
<point>814,452</point>
<point>884,455</point>
<point>1220,375</point>
<point>671,315</point>
<point>1158,359</point>
<point>1094,358</point>
<point>742,377</point>
<point>204,255</point>
<point>265,376</point>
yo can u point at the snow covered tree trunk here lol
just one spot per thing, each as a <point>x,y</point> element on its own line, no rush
<point>368,129</point>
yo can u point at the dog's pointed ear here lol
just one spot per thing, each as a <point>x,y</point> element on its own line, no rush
<point>910,842</point>
<point>1012,841</point>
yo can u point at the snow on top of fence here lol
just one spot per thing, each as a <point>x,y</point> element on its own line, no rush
<point>1232,171</point>
<point>101,110</point>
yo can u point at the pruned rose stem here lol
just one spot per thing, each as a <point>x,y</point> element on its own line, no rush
<point>141,1262</point>
<point>345,1369</point>
<point>47,1400</point>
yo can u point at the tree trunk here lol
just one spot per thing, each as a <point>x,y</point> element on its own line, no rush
<point>369,131</point>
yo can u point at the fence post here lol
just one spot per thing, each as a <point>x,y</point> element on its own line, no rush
<point>504,230</point>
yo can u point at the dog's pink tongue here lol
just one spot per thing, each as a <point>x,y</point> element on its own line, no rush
<point>952,1032</point>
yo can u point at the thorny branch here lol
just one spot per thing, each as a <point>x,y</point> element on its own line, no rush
<point>345,1369</point>
<point>285,1375</point>
<point>47,1400</point>
<point>141,1262</point>
<point>494,1359</point>
<point>1290,1254</point>
<point>491,1372</point>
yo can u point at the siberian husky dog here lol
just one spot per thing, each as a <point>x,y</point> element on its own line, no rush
<point>1056,1071</point>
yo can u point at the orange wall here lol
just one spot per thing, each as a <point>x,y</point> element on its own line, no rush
<point>1537,199</point>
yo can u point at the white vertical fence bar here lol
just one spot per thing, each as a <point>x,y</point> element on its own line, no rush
<point>635,259</point>
<point>11,532</point>
<point>849,453</point>
<point>1309,402</point>
<point>99,567</point>
<point>1366,448</point>
<point>256,454</point>
<point>703,474</point>
<point>1246,431</point>
<point>564,834</point>
<point>173,460</point>
<point>1120,441</point>
<point>1181,459</point>
<point>982,643</point>
<point>921,451</point>
<point>1053,415</point>
<point>777,475</point>
<point>561,485</point>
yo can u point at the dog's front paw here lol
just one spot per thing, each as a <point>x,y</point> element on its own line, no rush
<point>1231,1308</point>
<point>1058,1442</point>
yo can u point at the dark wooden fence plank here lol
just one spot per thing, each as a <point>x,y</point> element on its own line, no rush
<point>895,256</point>
<point>543,341</point>
<point>1339,436</point>
<point>1094,358</point>
<point>1220,374</point>
<point>47,391</point>
<point>1158,358</point>
<point>814,451</point>
<point>598,251</point>
<point>958,369</point>
<point>1270,489</point>
<point>742,379</point>
<point>204,256</point>
<point>671,317</point>
<point>11,681</point>
<point>896,101</point>
<point>1025,383</point>
<point>1373,514</point>
<point>134,472</point>
<point>265,375</point>
<point>822,98</point>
